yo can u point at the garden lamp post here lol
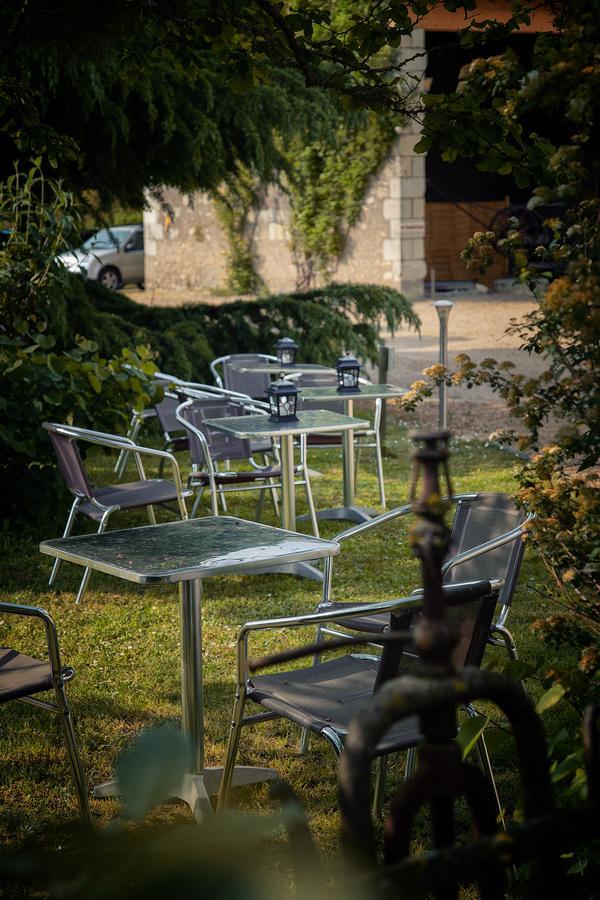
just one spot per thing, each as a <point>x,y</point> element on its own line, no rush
<point>444,308</point>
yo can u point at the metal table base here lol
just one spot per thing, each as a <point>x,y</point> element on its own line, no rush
<point>186,552</point>
<point>197,789</point>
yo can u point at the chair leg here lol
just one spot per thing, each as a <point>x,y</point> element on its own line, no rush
<point>66,533</point>
<point>197,502</point>
<point>260,502</point>
<point>411,763</point>
<point>379,460</point>
<point>150,514</point>
<point>275,499</point>
<point>486,767</point>
<point>88,572</point>
<point>66,722</point>
<point>305,733</point>
<point>232,749</point>
<point>357,449</point>
<point>379,791</point>
<point>311,503</point>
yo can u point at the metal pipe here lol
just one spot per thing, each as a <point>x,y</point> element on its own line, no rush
<point>191,668</point>
<point>443,308</point>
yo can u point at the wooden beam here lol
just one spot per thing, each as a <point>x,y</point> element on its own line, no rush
<point>441,19</point>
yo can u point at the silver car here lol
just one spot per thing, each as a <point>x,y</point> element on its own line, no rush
<point>112,256</point>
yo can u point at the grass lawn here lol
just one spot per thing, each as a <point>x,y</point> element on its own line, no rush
<point>124,645</point>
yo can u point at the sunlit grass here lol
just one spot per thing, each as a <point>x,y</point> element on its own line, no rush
<point>124,645</point>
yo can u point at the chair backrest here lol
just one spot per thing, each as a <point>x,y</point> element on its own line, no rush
<point>221,446</point>
<point>165,410</point>
<point>254,384</point>
<point>477,521</point>
<point>69,460</point>
<point>318,379</point>
<point>470,606</point>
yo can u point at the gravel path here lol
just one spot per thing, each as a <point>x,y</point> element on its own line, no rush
<point>476,326</point>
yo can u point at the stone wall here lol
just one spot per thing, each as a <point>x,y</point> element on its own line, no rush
<point>386,246</point>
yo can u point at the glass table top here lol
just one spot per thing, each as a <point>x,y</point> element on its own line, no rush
<point>276,368</point>
<point>196,548</point>
<point>367,391</point>
<point>310,421</point>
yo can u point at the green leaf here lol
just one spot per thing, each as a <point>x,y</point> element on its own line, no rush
<point>153,769</point>
<point>94,381</point>
<point>550,698</point>
<point>470,732</point>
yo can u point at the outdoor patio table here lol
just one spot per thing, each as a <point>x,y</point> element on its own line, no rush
<point>350,512</point>
<point>187,552</point>
<point>310,421</point>
<point>275,369</point>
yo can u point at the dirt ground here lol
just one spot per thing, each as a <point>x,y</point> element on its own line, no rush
<point>476,326</point>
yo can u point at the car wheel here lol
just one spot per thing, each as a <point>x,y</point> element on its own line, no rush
<point>141,285</point>
<point>110,277</point>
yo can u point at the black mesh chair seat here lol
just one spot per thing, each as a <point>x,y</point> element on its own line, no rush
<point>130,495</point>
<point>329,695</point>
<point>21,675</point>
<point>233,477</point>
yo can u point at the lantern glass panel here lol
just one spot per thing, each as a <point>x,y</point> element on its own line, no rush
<point>286,351</point>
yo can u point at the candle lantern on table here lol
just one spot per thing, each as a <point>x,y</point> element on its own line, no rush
<point>283,398</point>
<point>286,351</point>
<point>348,371</point>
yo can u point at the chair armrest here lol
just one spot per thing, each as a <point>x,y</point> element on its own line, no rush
<point>336,615</point>
<point>123,443</point>
<point>493,544</point>
<point>388,516</point>
<point>36,612</point>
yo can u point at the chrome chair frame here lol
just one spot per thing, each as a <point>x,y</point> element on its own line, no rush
<point>115,442</point>
<point>214,474</point>
<point>60,676</point>
<point>499,626</point>
<point>221,360</point>
<point>139,417</point>
<point>318,619</point>
<point>360,443</point>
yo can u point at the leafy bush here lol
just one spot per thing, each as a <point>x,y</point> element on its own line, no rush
<point>323,322</point>
<point>47,371</point>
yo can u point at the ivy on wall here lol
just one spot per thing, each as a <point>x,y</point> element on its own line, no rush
<point>237,203</point>
<point>327,182</point>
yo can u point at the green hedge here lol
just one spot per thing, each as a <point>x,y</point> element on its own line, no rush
<point>187,338</point>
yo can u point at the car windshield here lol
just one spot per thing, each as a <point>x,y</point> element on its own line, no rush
<point>105,239</point>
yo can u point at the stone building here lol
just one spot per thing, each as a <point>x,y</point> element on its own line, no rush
<point>418,212</point>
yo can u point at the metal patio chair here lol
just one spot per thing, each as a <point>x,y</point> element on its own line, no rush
<point>326,696</point>
<point>364,439</point>
<point>22,678</point>
<point>175,439</point>
<point>99,503</point>
<point>486,542</point>
<point>209,448</point>
<point>253,383</point>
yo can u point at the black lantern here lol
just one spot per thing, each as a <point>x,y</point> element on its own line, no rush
<point>286,351</point>
<point>283,396</point>
<point>348,370</point>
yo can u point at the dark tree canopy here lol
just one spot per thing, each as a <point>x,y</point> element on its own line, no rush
<point>123,96</point>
